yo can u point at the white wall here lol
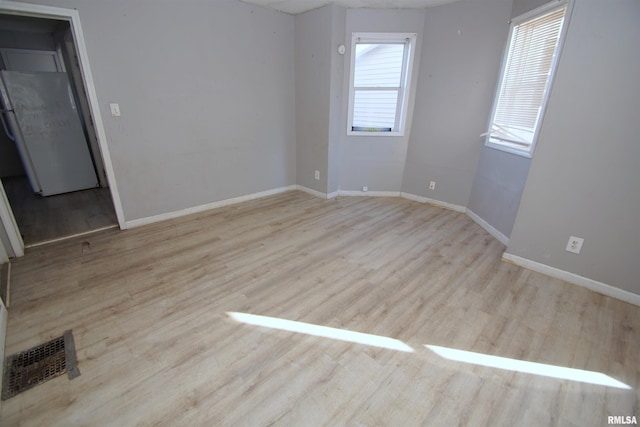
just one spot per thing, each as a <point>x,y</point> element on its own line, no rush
<point>377,161</point>
<point>584,178</point>
<point>206,94</point>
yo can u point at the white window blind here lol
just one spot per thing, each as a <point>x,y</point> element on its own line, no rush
<point>525,81</point>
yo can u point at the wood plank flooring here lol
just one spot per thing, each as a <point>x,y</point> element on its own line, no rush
<point>156,344</point>
<point>41,219</point>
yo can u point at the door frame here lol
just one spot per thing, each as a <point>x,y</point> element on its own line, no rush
<point>73,17</point>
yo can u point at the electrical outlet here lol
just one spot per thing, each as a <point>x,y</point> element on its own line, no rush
<point>365,188</point>
<point>574,244</point>
<point>432,185</point>
<point>318,175</point>
<point>115,109</point>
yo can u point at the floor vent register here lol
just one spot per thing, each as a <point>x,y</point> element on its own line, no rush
<point>39,364</point>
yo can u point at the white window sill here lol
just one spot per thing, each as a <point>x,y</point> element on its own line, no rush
<point>361,133</point>
<point>512,150</point>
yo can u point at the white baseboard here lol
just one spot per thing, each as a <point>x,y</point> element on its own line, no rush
<point>347,193</point>
<point>312,191</point>
<point>573,278</point>
<point>369,193</point>
<point>488,227</point>
<point>422,199</point>
<point>333,195</point>
<point>206,207</point>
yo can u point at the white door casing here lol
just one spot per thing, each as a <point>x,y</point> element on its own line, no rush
<point>73,17</point>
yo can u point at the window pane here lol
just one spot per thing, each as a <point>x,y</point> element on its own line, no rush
<point>378,65</point>
<point>525,80</point>
<point>375,109</point>
<point>378,87</point>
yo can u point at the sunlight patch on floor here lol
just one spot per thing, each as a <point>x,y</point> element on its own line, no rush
<point>526,367</point>
<point>320,331</point>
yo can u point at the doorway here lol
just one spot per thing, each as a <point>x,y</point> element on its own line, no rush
<point>49,36</point>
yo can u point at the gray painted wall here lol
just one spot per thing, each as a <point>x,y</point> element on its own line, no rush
<point>523,6</point>
<point>319,75</point>
<point>313,86</point>
<point>501,177</point>
<point>206,94</point>
<point>497,188</point>
<point>463,44</point>
<point>376,161</point>
<point>337,122</point>
<point>584,178</point>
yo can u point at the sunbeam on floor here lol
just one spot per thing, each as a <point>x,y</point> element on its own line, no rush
<point>523,366</point>
<point>320,331</point>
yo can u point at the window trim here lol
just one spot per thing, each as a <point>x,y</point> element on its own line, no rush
<point>405,81</point>
<point>532,14</point>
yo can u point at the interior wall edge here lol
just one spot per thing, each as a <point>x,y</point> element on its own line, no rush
<point>208,206</point>
<point>369,193</point>
<point>313,192</point>
<point>422,199</point>
<point>574,279</point>
<point>499,236</point>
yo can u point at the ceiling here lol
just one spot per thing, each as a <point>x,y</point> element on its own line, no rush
<point>295,7</point>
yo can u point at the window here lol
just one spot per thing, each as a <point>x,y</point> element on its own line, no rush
<point>527,72</point>
<point>379,86</point>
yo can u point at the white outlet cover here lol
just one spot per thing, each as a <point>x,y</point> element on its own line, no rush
<point>574,244</point>
<point>115,109</point>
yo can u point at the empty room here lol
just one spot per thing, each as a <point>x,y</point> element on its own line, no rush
<point>320,213</point>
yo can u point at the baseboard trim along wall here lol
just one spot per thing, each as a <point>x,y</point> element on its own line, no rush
<point>488,227</point>
<point>347,193</point>
<point>350,193</point>
<point>197,209</point>
<point>572,278</point>
<point>575,279</point>
<point>423,199</point>
<point>333,195</point>
<point>312,191</point>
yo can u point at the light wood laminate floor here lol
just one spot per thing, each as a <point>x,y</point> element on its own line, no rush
<point>42,219</point>
<point>152,315</point>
